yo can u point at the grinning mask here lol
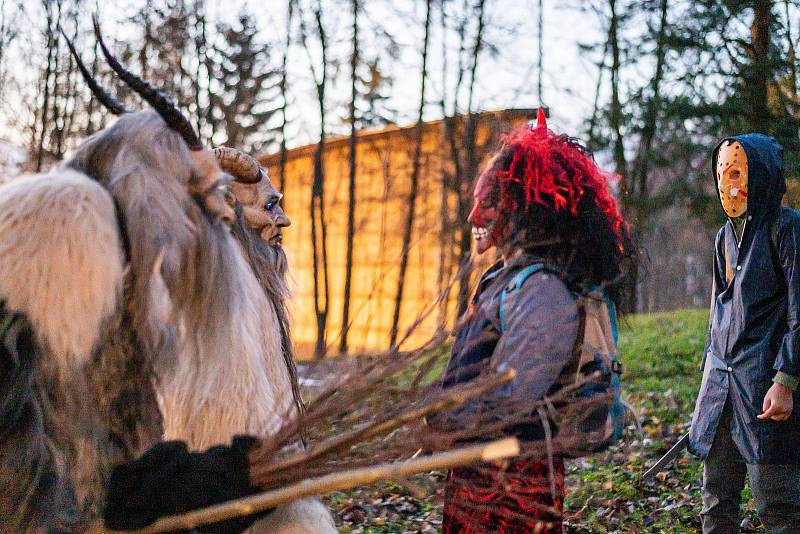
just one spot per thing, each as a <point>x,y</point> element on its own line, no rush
<point>485,212</point>
<point>537,175</point>
<point>732,178</point>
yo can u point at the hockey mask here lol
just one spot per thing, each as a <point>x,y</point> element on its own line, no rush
<point>485,212</point>
<point>731,174</point>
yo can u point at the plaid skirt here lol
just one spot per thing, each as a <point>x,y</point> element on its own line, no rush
<point>517,499</point>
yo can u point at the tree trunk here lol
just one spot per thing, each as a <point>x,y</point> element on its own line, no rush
<point>592,140</point>
<point>351,189</point>
<point>616,107</point>
<point>47,74</point>
<point>201,48</point>
<point>284,96</point>
<point>58,98</point>
<point>72,94</point>
<point>445,229</point>
<point>540,50</point>
<point>320,252</point>
<point>412,195</point>
<point>792,59</point>
<point>470,168</point>
<point>760,66</point>
<point>628,299</point>
<point>645,151</point>
<point>452,122</point>
<point>90,128</point>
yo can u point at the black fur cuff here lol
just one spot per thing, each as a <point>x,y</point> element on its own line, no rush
<point>168,479</point>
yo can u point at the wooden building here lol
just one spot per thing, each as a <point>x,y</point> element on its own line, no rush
<point>384,166</point>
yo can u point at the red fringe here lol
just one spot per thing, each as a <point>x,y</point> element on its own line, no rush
<point>554,174</point>
<point>516,500</point>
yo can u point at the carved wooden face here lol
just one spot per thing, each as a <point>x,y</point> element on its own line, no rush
<point>262,210</point>
<point>732,178</point>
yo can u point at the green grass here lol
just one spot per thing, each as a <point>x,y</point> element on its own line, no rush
<point>661,354</point>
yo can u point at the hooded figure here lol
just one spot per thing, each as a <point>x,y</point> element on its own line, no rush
<point>751,356</point>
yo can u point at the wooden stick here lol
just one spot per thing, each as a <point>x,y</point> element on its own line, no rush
<point>495,450</point>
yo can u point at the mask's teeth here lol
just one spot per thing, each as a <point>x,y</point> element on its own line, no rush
<point>479,233</point>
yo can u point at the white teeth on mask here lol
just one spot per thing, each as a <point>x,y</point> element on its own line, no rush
<point>479,232</point>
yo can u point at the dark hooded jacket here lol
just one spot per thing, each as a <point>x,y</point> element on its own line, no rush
<point>754,329</point>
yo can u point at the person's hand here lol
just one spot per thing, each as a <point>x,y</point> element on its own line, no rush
<point>778,403</point>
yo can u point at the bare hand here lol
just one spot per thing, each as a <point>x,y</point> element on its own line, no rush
<point>778,403</point>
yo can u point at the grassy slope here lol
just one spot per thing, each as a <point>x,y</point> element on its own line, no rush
<point>661,355</point>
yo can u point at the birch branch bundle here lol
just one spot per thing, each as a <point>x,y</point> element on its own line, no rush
<point>343,480</point>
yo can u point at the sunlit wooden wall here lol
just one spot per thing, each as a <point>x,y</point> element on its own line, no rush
<point>384,168</point>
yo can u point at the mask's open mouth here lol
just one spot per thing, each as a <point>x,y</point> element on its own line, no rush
<point>480,233</point>
<point>276,240</point>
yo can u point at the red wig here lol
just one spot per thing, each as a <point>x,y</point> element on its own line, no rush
<point>554,172</point>
<point>554,201</point>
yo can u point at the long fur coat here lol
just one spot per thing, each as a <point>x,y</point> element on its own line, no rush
<point>145,319</point>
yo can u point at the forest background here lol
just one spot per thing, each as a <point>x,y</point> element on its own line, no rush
<point>649,86</point>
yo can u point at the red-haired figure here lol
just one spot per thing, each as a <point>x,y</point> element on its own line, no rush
<point>546,207</point>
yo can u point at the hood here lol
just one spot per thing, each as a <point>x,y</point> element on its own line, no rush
<point>765,183</point>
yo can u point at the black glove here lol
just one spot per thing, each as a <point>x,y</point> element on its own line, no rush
<point>168,479</point>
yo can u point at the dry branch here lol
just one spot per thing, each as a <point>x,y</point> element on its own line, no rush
<point>449,399</point>
<point>495,450</point>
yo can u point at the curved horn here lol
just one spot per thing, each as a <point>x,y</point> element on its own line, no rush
<point>112,104</point>
<point>163,105</point>
<point>244,168</point>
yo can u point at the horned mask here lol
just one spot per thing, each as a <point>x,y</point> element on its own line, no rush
<point>732,178</point>
<point>253,190</point>
<point>211,166</point>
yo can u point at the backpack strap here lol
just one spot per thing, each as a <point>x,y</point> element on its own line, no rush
<point>612,317</point>
<point>516,282</point>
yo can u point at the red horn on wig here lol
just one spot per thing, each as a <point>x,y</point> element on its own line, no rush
<point>541,119</point>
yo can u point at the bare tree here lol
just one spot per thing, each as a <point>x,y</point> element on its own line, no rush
<point>638,184</point>
<point>52,13</point>
<point>351,187</point>
<point>760,75</point>
<point>415,170</point>
<point>290,6</point>
<point>470,160</point>
<point>318,228</point>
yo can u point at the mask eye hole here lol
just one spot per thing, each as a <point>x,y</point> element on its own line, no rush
<point>270,206</point>
<point>734,175</point>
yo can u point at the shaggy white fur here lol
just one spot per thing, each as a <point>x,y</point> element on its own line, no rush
<point>210,395</point>
<point>199,314</point>
<point>306,516</point>
<point>61,258</point>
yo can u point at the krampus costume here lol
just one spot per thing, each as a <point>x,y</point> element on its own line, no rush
<point>544,203</point>
<point>129,314</point>
<point>751,360</point>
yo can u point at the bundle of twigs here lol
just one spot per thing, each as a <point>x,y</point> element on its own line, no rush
<point>388,416</point>
<point>375,419</point>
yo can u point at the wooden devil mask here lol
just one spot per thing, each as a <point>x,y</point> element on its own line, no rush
<point>732,178</point>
